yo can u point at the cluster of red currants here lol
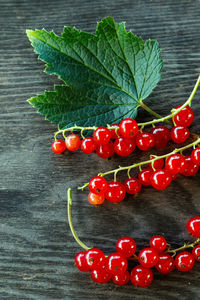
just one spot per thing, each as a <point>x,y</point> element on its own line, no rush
<point>115,266</point>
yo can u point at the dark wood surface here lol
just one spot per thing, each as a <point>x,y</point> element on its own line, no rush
<point>36,246</point>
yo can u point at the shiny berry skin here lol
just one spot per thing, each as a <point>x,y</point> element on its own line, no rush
<point>161,135</point>
<point>145,176</point>
<point>141,277</point>
<point>121,279</point>
<point>145,141</point>
<point>72,142</point>
<point>128,128</point>
<point>184,261</point>
<point>195,155</point>
<point>193,226</point>
<point>101,135</point>
<point>179,134</point>
<point>196,253</point>
<point>190,169</point>
<point>96,199</point>
<point>98,185</point>
<point>157,164</point>
<point>105,151</point>
<point>126,246</point>
<point>80,261</point>
<point>158,242</point>
<point>175,163</point>
<point>87,145</point>
<point>124,146</point>
<point>165,263</point>
<point>116,263</point>
<point>100,275</point>
<point>160,179</point>
<point>115,192</point>
<point>58,146</point>
<point>114,135</point>
<point>132,185</point>
<point>95,258</point>
<point>148,257</point>
<point>185,117</point>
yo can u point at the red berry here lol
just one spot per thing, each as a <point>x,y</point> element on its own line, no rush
<point>80,261</point>
<point>145,176</point>
<point>165,263</point>
<point>160,179</point>
<point>115,192</point>
<point>58,146</point>
<point>96,199</point>
<point>128,128</point>
<point>175,163</point>
<point>72,142</point>
<point>100,275</point>
<point>145,141</point>
<point>117,263</point>
<point>148,257</point>
<point>185,117</point>
<point>158,242</point>
<point>105,151</point>
<point>190,169</point>
<point>95,258</point>
<point>184,261</point>
<point>126,246</point>
<point>98,185</point>
<point>196,156</point>
<point>124,146</point>
<point>132,185</point>
<point>161,136</point>
<point>88,145</point>
<point>193,226</point>
<point>121,279</point>
<point>141,276</point>
<point>157,164</point>
<point>101,135</point>
<point>179,134</point>
<point>196,252</point>
<point>114,135</point>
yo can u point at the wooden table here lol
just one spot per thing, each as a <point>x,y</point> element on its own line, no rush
<point>37,248</point>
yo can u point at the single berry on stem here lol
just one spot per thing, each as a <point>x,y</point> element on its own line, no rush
<point>184,261</point>
<point>124,146</point>
<point>96,199</point>
<point>127,246</point>
<point>87,145</point>
<point>98,185</point>
<point>105,151</point>
<point>158,242</point>
<point>115,192</point>
<point>145,176</point>
<point>95,258</point>
<point>145,141</point>
<point>185,117</point>
<point>195,155</point>
<point>148,257</point>
<point>165,263</point>
<point>132,185</point>
<point>72,142</point>
<point>141,277</point>
<point>161,135</point>
<point>179,134</point>
<point>101,135</point>
<point>157,164</point>
<point>161,179</point>
<point>175,163</point>
<point>193,226</point>
<point>196,253</point>
<point>190,169</point>
<point>122,278</point>
<point>116,263</point>
<point>128,128</point>
<point>100,275</point>
<point>81,262</point>
<point>58,146</point>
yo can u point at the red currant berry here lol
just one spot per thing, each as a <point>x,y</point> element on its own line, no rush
<point>190,169</point>
<point>148,257</point>
<point>117,263</point>
<point>161,136</point>
<point>141,277</point>
<point>128,128</point>
<point>105,151</point>
<point>102,135</point>
<point>185,117</point>
<point>58,146</point>
<point>193,226</point>
<point>160,179</point>
<point>196,252</point>
<point>100,275</point>
<point>121,279</point>
<point>95,258</point>
<point>80,261</point>
<point>114,135</point>
<point>158,242</point>
<point>157,164</point>
<point>175,163</point>
<point>184,261</point>
<point>115,192</point>
<point>88,145</point>
<point>165,263</point>
<point>98,185</point>
<point>96,199</point>
<point>145,176</point>
<point>196,156</point>
<point>179,134</point>
<point>126,246</point>
<point>145,141</point>
<point>132,185</point>
<point>124,146</point>
<point>72,142</point>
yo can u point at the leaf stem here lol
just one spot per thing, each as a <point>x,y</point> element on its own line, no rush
<point>152,112</point>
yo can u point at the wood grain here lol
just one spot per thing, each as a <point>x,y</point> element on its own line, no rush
<point>36,248</point>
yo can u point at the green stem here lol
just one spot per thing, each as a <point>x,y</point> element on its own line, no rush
<point>185,246</point>
<point>152,112</point>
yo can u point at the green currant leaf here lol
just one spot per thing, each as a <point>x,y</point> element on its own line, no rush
<point>106,74</point>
